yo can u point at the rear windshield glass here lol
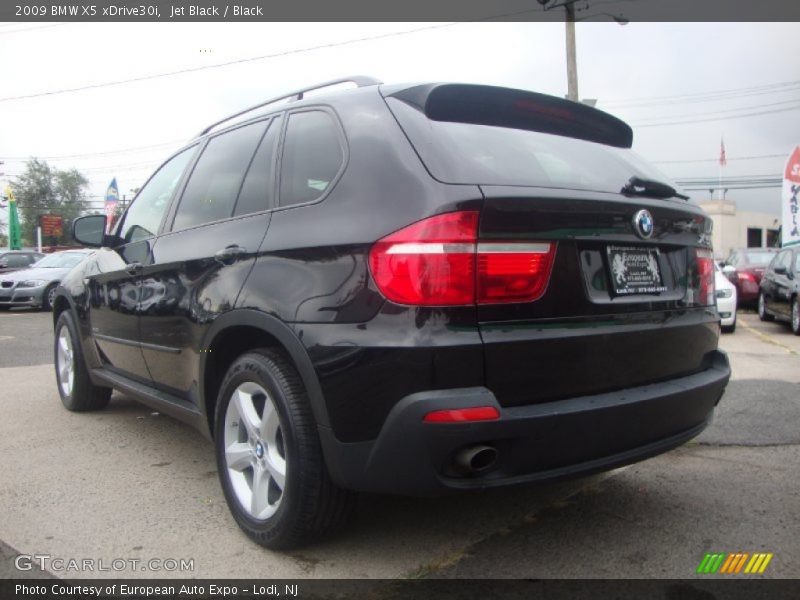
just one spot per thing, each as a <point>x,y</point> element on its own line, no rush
<point>759,258</point>
<point>489,155</point>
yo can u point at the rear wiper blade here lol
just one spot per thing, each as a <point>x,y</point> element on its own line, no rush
<point>650,188</point>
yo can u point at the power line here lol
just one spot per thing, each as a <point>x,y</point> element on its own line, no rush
<point>752,114</point>
<point>705,96</point>
<point>10,31</point>
<point>794,102</point>
<point>235,62</point>
<point>698,160</point>
<point>102,153</point>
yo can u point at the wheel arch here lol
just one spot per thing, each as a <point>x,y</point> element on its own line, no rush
<point>60,304</point>
<point>241,330</point>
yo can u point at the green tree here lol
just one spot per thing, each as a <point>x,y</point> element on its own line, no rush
<point>42,189</point>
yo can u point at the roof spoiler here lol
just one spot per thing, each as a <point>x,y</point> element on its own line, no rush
<point>516,109</point>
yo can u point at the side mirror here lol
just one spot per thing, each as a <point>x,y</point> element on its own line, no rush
<point>728,270</point>
<point>89,230</point>
<point>721,264</point>
<point>780,270</point>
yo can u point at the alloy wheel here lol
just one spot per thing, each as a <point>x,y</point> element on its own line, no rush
<point>51,297</point>
<point>65,362</point>
<point>796,315</point>
<point>255,453</point>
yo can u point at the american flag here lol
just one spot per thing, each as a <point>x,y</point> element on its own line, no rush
<point>722,160</point>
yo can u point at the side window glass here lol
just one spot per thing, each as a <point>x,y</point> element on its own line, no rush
<point>215,181</point>
<point>18,260</point>
<point>312,156</point>
<point>257,191</point>
<point>144,216</point>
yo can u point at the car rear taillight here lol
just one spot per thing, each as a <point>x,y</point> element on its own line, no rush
<point>705,274</point>
<point>747,276</point>
<point>439,262</point>
<point>513,272</point>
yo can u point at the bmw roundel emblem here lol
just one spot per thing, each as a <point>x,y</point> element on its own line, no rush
<point>643,223</point>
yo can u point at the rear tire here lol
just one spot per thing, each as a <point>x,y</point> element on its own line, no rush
<point>75,387</point>
<point>269,456</point>
<point>762,308</point>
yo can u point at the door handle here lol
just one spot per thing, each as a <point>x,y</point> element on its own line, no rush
<point>229,254</point>
<point>133,268</point>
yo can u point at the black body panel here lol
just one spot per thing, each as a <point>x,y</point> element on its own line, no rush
<point>626,376</point>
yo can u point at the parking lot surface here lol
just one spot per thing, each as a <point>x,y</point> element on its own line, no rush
<point>132,484</point>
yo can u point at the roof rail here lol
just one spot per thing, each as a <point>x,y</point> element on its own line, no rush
<point>359,80</point>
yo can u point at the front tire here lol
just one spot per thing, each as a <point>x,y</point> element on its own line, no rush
<point>49,297</point>
<point>269,456</point>
<point>729,328</point>
<point>762,308</point>
<point>75,387</point>
<point>796,315</point>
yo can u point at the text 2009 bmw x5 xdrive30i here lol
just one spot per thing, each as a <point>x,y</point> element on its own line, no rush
<point>401,289</point>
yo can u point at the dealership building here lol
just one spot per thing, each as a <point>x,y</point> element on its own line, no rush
<point>740,229</point>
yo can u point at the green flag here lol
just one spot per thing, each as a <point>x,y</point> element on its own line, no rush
<point>14,234</point>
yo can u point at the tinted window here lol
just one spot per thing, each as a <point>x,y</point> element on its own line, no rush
<point>17,260</point>
<point>215,181</point>
<point>256,194</point>
<point>144,216</point>
<point>487,154</point>
<point>312,156</point>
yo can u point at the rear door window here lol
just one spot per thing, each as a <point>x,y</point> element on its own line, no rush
<point>257,190</point>
<point>312,157</point>
<point>212,189</point>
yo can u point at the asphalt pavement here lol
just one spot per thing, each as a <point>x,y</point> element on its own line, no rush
<point>127,483</point>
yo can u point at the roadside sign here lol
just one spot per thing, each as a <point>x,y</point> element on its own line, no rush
<point>790,226</point>
<point>52,225</point>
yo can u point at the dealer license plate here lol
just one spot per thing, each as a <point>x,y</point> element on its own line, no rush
<point>634,270</point>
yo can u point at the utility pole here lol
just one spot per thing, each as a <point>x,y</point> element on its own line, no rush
<point>572,66</point>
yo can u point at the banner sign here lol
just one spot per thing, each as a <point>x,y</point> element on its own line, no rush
<point>790,226</point>
<point>112,198</point>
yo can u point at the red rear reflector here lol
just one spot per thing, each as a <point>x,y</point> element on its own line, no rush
<point>439,262</point>
<point>480,413</point>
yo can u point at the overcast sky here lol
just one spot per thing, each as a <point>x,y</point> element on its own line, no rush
<point>629,69</point>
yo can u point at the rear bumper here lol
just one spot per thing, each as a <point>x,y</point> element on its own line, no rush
<point>539,442</point>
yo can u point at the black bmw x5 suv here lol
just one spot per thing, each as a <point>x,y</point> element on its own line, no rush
<point>400,289</point>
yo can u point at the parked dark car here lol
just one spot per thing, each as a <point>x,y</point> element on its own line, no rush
<point>14,260</point>
<point>401,289</point>
<point>36,285</point>
<point>780,286</point>
<point>744,268</point>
